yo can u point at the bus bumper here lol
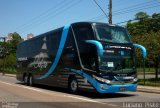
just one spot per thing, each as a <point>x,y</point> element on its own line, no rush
<point>104,88</point>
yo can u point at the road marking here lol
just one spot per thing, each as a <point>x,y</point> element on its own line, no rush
<point>112,105</point>
<point>6,83</point>
<point>85,99</point>
<point>90,100</point>
<point>12,84</point>
<point>70,96</point>
<point>30,88</point>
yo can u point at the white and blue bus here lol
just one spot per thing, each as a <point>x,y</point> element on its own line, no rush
<point>80,56</point>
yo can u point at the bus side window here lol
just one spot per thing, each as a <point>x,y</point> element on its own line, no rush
<point>53,41</point>
<point>83,33</point>
<point>70,43</point>
<point>70,55</point>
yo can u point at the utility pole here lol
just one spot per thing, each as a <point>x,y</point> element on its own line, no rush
<point>110,12</point>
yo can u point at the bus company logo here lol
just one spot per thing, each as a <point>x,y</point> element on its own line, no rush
<point>122,75</point>
<point>121,47</point>
<point>109,51</point>
<point>22,59</point>
<point>40,60</point>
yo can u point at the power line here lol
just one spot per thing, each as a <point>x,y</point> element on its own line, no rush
<point>133,9</point>
<point>134,20</point>
<point>43,14</point>
<point>134,6</point>
<point>100,8</point>
<point>61,7</point>
<point>59,11</point>
<point>125,21</point>
<point>97,17</point>
<point>137,9</point>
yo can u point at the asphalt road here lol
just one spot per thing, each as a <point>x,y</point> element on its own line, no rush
<point>16,95</point>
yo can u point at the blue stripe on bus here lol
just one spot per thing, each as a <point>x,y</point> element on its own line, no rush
<point>108,88</point>
<point>59,52</point>
<point>98,45</point>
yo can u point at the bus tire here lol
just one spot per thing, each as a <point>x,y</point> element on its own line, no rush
<point>73,85</point>
<point>30,80</point>
<point>25,79</point>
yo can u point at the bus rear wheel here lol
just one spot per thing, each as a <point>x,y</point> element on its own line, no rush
<point>30,80</point>
<point>73,85</point>
<point>25,79</point>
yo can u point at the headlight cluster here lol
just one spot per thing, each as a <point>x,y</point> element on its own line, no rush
<point>102,80</point>
<point>135,79</point>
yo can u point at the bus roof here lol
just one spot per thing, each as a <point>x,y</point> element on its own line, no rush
<point>61,28</point>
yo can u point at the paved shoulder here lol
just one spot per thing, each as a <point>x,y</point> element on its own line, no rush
<point>149,89</point>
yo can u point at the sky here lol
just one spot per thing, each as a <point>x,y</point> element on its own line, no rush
<point>39,16</point>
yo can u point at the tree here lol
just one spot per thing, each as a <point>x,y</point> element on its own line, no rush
<point>156,15</point>
<point>146,31</point>
<point>155,22</point>
<point>141,15</point>
<point>144,25</point>
<point>8,61</point>
<point>151,42</point>
<point>16,38</point>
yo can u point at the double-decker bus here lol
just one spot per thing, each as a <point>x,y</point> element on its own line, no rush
<point>80,56</point>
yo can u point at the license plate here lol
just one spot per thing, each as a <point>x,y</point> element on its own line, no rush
<point>122,89</point>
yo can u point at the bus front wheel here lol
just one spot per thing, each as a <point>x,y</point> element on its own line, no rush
<point>73,85</point>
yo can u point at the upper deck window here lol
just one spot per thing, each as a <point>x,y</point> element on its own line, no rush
<point>112,34</point>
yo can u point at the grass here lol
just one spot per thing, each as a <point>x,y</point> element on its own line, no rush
<point>147,70</point>
<point>8,70</point>
<point>150,82</point>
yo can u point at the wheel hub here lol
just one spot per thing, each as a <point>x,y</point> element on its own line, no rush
<point>74,85</point>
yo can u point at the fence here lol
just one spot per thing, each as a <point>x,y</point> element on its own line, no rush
<point>150,74</point>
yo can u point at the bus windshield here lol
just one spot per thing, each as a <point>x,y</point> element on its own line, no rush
<point>117,64</point>
<point>112,34</point>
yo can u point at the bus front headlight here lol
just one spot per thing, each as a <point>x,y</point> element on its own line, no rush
<point>102,79</point>
<point>135,79</point>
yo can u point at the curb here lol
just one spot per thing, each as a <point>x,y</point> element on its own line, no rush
<point>145,73</point>
<point>9,75</point>
<point>149,89</point>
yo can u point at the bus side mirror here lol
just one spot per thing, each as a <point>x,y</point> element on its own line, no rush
<point>98,46</point>
<point>144,51</point>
